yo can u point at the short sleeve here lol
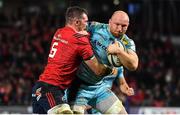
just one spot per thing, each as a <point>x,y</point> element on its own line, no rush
<point>129,43</point>
<point>120,72</point>
<point>85,48</point>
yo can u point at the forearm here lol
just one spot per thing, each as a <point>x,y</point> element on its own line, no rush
<point>124,87</point>
<point>104,70</point>
<point>98,68</point>
<point>129,59</point>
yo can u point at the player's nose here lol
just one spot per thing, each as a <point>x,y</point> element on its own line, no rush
<point>119,29</point>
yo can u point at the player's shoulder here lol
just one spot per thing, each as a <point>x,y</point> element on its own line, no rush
<point>64,32</point>
<point>127,40</point>
<point>129,43</point>
<point>97,25</point>
<point>81,37</point>
<point>126,37</point>
<point>67,31</point>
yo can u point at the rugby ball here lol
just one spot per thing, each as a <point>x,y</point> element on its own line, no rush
<point>113,59</point>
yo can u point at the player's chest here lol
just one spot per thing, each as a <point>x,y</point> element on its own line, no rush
<point>100,41</point>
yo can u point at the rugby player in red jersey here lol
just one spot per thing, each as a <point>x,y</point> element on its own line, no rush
<point>70,46</point>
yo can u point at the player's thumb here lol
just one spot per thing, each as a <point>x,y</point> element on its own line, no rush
<point>116,42</point>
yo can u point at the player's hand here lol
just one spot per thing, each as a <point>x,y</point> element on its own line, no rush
<point>114,48</point>
<point>114,71</point>
<point>129,92</point>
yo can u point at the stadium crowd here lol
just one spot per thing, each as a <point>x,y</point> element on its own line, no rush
<point>25,37</point>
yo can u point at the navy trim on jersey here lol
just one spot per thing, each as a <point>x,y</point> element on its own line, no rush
<point>77,35</point>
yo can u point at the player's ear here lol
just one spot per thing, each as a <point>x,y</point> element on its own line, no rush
<point>109,21</point>
<point>77,22</point>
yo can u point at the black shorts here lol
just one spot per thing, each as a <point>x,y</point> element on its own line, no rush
<point>46,96</point>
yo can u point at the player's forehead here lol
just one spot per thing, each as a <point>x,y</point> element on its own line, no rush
<point>119,21</point>
<point>120,17</point>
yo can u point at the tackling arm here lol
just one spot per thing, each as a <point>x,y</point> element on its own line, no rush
<point>100,69</point>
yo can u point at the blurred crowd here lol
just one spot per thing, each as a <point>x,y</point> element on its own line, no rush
<point>25,38</point>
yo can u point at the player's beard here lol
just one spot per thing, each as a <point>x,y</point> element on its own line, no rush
<point>117,34</point>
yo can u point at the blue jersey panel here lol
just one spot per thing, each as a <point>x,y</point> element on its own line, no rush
<point>100,39</point>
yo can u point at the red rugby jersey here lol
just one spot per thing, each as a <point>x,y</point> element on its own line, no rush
<point>68,49</point>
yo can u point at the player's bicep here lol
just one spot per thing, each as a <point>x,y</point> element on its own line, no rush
<point>85,51</point>
<point>133,54</point>
<point>84,48</point>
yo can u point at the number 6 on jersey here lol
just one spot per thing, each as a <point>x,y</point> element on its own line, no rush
<point>53,50</point>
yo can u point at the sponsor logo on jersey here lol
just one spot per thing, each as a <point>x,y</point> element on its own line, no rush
<point>124,40</point>
<point>100,44</point>
<point>58,37</point>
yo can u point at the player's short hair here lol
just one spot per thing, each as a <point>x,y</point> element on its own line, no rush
<point>74,12</point>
